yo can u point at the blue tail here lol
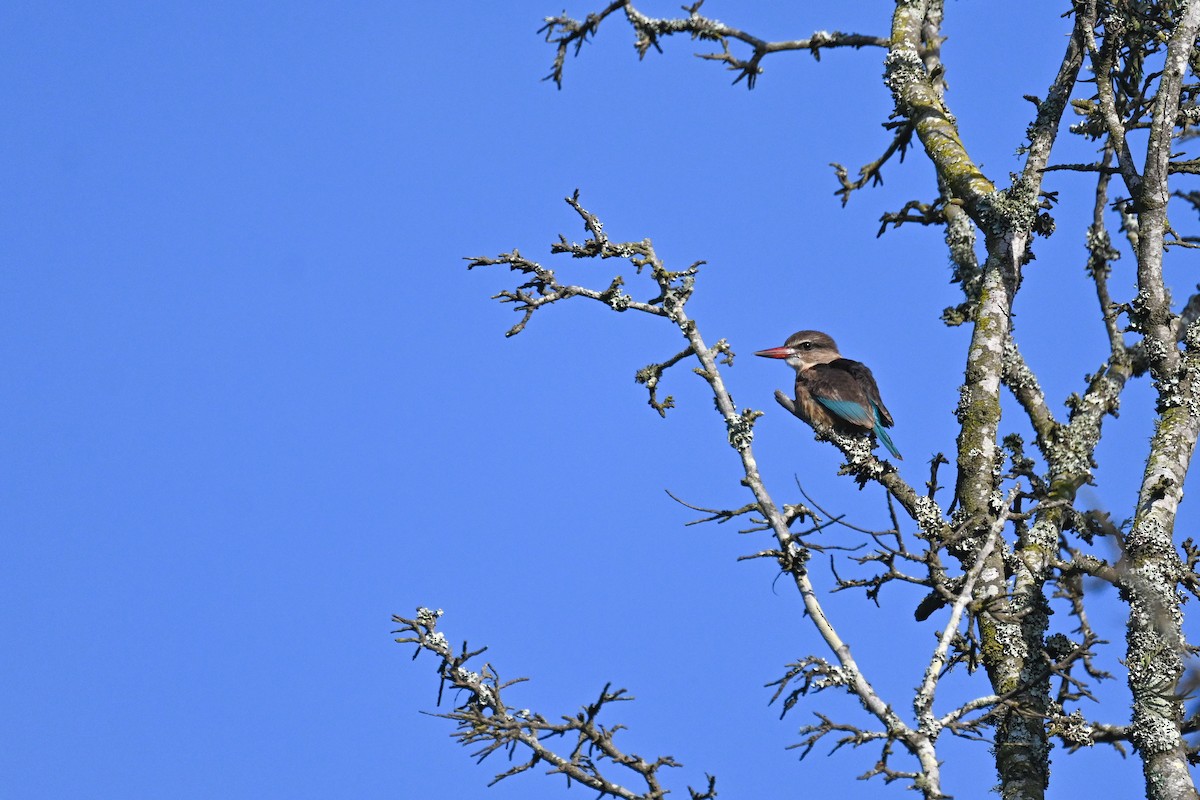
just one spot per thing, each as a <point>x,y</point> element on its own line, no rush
<point>855,413</point>
<point>887,441</point>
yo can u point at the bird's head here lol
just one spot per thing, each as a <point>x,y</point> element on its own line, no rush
<point>805,349</point>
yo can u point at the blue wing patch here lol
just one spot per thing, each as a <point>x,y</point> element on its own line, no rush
<point>850,410</point>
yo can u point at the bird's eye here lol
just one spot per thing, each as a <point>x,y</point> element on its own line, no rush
<point>806,345</point>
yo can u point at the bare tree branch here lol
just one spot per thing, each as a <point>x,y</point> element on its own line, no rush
<point>483,718</point>
<point>565,33</point>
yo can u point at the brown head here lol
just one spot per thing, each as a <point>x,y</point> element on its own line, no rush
<point>804,349</point>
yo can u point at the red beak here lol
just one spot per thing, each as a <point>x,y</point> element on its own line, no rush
<point>775,352</point>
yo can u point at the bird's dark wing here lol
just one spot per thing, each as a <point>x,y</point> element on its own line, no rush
<point>840,391</point>
<point>807,407</point>
<point>867,381</point>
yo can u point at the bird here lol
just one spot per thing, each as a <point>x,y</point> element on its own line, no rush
<point>831,391</point>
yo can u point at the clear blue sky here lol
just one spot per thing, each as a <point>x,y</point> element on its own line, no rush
<point>254,404</point>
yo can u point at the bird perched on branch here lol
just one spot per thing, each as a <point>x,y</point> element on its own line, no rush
<point>831,391</point>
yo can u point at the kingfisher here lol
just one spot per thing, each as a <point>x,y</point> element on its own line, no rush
<point>831,391</point>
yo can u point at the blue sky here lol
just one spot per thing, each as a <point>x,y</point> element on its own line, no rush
<point>255,404</point>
